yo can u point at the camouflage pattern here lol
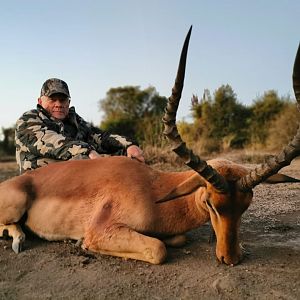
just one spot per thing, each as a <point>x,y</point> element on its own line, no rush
<point>54,86</point>
<point>41,139</point>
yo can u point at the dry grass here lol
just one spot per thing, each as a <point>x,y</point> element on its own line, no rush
<point>165,156</point>
<point>165,159</point>
<point>5,158</point>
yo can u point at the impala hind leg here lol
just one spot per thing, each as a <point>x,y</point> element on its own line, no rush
<point>120,240</point>
<point>15,196</point>
<point>14,231</point>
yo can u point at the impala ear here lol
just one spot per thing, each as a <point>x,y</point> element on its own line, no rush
<point>280,178</point>
<point>187,187</point>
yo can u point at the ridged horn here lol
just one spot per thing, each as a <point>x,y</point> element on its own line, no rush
<point>289,152</point>
<point>170,129</point>
<point>296,77</point>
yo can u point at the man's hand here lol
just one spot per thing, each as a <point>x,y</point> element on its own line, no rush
<point>94,154</point>
<point>134,151</point>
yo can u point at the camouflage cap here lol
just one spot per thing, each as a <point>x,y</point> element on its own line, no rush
<point>54,86</point>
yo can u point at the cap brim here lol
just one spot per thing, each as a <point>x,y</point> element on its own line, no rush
<point>58,91</point>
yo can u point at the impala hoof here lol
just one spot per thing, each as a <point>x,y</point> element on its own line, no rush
<point>17,244</point>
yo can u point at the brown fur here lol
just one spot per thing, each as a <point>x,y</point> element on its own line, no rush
<point>110,203</point>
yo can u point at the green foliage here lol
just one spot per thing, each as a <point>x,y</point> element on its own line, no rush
<point>283,127</point>
<point>7,145</point>
<point>150,131</point>
<point>220,122</point>
<point>133,112</point>
<point>264,110</point>
<point>221,119</point>
<point>124,127</point>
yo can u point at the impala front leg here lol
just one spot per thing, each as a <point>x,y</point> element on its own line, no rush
<point>176,240</point>
<point>14,231</point>
<point>120,240</point>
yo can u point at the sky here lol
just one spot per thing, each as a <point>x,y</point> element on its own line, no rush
<point>97,45</point>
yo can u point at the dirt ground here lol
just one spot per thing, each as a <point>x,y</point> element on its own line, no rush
<point>270,233</point>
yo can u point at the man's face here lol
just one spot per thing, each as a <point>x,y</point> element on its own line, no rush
<point>57,105</point>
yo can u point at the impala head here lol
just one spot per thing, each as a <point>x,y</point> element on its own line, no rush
<point>225,211</point>
<point>228,193</point>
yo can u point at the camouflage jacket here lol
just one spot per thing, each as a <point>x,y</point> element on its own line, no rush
<point>41,139</point>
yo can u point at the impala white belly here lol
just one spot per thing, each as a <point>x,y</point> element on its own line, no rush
<point>54,219</point>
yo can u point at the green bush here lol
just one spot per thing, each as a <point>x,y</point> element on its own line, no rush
<point>7,145</point>
<point>283,128</point>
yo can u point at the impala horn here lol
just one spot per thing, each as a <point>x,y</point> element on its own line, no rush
<point>289,152</point>
<point>170,129</point>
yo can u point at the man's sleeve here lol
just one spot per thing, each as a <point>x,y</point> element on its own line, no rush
<point>105,142</point>
<point>33,135</point>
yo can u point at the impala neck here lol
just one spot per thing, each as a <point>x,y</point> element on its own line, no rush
<point>188,213</point>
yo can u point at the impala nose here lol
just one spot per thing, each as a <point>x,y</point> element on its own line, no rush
<point>230,260</point>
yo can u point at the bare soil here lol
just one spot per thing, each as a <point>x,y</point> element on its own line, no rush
<point>270,233</point>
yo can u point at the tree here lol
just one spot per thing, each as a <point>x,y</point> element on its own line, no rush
<point>221,119</point>
<point>283,127</point>
<point>7,146</point>
<point>133,112</point>
<point>264,110</point>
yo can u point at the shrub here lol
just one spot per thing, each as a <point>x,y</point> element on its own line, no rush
<point>283,127</point>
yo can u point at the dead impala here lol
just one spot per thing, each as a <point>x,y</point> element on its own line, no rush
<point>118,206</point>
